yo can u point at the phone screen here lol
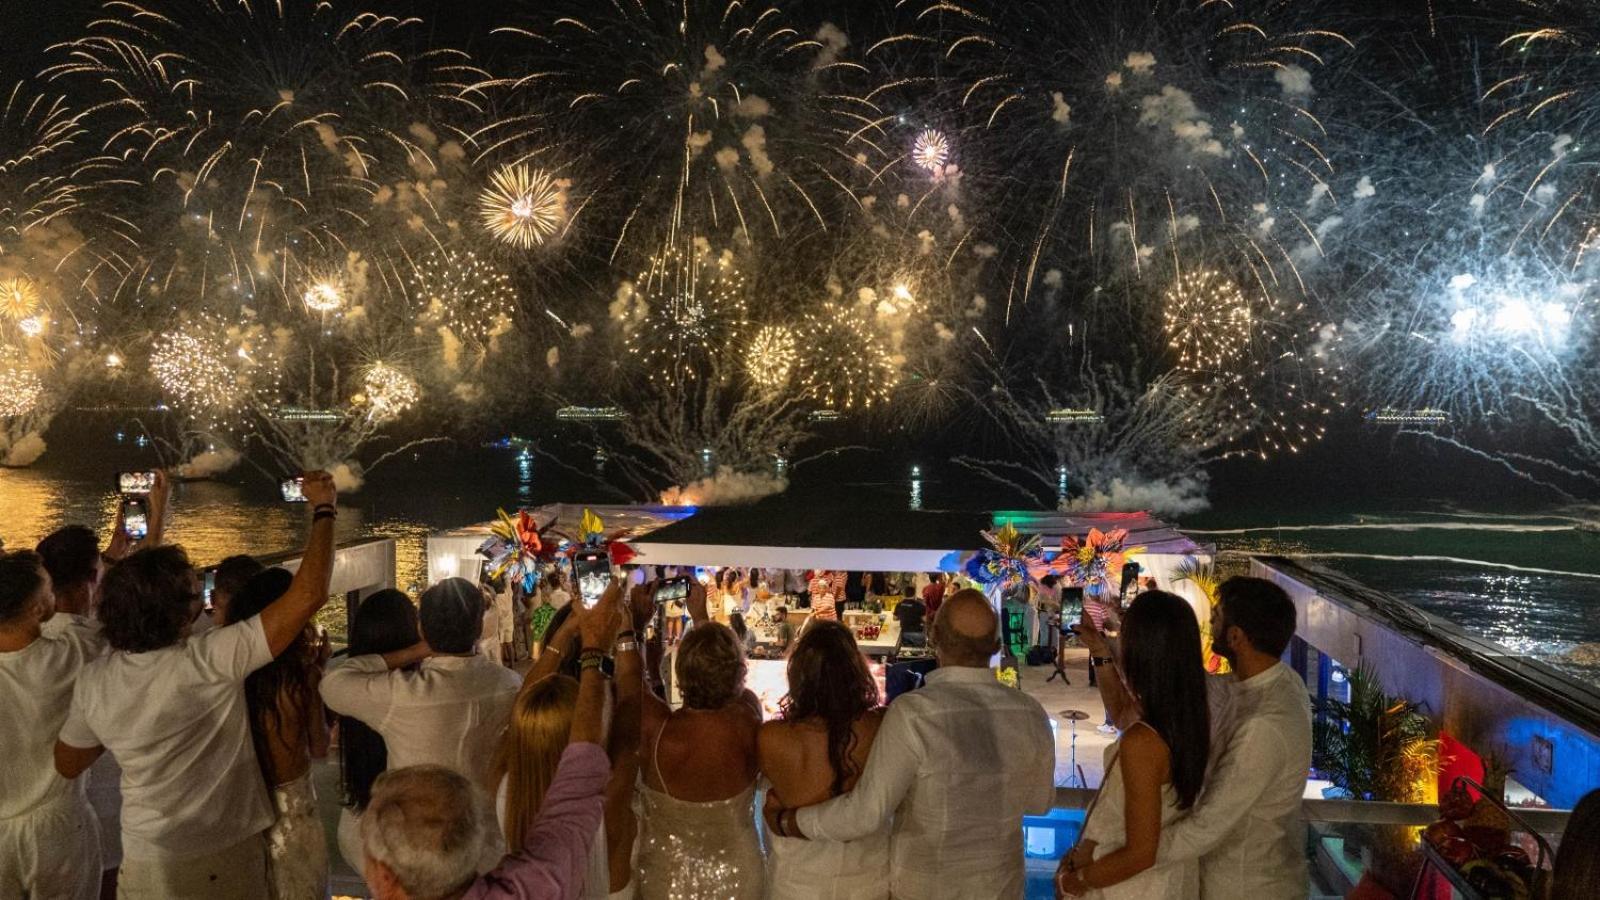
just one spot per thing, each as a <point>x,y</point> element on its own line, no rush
<point>135,520</point>
<point>672,590</point>
<point>210,587</point>
<point>136,482</point>
<point>592,570</point>
<point>294,490</point>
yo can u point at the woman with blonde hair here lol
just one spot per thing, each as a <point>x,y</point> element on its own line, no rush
<point>537,734</point>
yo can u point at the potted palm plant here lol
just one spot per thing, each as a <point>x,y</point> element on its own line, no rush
<point>1379,747</point>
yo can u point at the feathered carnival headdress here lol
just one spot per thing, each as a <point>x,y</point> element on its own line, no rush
<point>521,546</point>
<point>1012,559</point>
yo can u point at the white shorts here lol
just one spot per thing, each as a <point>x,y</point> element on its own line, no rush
<point>51,852</point>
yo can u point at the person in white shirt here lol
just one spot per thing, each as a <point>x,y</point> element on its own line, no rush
<point>1247,829</point>
<point>957,764</point>
<point>171,709</point>
<point>49,835</point>
<point>452,710</point>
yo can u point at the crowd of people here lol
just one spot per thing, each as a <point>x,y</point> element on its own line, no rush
<point>158,748</point>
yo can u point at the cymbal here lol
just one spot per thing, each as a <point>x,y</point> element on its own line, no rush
<point>1073,715</point>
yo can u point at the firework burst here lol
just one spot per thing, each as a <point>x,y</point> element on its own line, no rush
<point>199,373</point>
<point>700,116</point>
<point>931,151</point>
<point>1207,320</point>
<point>523,207</point>
<point>1114,136</point>
<point>21,389</point>
<point>388,393</point>
<point>770,358</point>
<point>466,294</point>
<point>846,366</point>
<point>694,301</point>
<point>19,299</point>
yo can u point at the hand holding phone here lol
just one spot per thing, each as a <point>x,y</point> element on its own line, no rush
<point>672,590</point>
<point>591,569</point>
<point>135,518</point>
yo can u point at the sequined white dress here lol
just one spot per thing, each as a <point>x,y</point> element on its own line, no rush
<point>297,851</point>
<point>688,851</point>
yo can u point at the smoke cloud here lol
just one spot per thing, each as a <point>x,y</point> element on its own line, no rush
<point>726,488</point>
<point>25,451</point>
<point>1168,497</point>
<point>209,463</point>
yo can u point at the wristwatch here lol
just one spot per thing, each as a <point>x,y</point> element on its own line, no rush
<point>594,659</point>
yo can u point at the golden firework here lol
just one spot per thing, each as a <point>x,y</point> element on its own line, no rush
<point>770,359</point>
<point>465,293</point>
<point>19,299</point>
<point>389,392</point>
<point>20,386</point>
<point>324,296</point>
<point>931,151</point>
<point>194,371</point>
<point>523,207</point>
<point>695,306</point>
<point>845,365</point>
<point>1208,321</point>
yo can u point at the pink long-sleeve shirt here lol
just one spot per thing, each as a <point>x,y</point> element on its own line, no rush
<point>555,853</point>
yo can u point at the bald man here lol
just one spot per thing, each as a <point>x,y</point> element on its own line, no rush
<point>955,766</point>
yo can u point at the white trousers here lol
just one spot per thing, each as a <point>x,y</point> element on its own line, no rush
<point>51,852</point>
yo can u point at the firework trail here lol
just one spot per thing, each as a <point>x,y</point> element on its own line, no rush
<point>675,119</point>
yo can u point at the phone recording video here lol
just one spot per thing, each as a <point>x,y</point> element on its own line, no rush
<point>209,589</point>
<point>591,569</point>
<point>136,482</point>
<point>135,518</point>
<point>672,590</point>
<point>294,490</point>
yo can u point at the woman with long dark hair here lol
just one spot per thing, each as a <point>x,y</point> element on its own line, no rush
<point>288,726</point>
<point>384,623</point>
<point>1154,772</point>
<point>815,752</point>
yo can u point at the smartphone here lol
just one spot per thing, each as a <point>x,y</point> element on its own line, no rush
<point>135,518</point>
<point>129,483</point>
<point>294,490</point>
<point>591,569</point>
<point>672,590</point>
<point>208,589</point>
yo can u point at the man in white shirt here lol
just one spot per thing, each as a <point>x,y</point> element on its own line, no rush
<point>957,764</point>
<point>49,835</point>
<point>452,710</point>
<point>1247,828</point>
<point>171,709</point>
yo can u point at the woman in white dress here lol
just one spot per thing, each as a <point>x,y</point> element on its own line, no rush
<point>816,752</point>
<point>288,726</point>
<point>1155,770</point>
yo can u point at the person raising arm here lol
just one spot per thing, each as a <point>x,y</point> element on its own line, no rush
<point>280,623</point>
